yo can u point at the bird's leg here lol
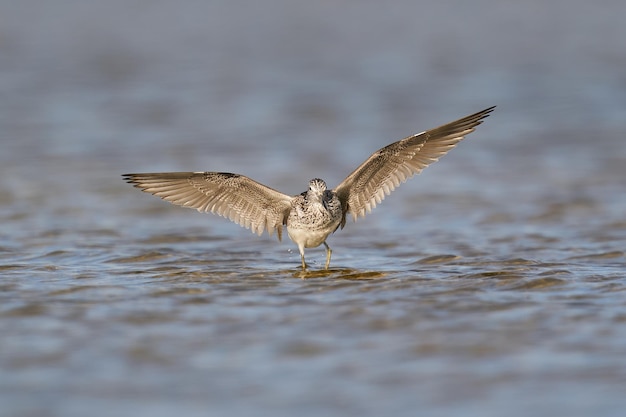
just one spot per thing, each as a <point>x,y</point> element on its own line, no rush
<point>301,249</point>
<point>328,252</point>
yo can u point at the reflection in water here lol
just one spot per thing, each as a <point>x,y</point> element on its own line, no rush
<point>332,273</point>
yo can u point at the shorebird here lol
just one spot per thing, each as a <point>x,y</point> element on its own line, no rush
<point>310,217</point>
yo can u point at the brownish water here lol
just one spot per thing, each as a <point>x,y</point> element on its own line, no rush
<point>492,284</point>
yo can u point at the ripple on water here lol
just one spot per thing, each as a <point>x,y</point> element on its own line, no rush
<point>147,257</point>
<point>539,284</point>
<point>598,256</point>
<point>437,259</point>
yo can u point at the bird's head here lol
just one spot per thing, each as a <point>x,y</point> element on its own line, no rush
<point>317,186</point>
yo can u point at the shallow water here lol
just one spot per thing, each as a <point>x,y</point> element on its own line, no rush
<point>492,284</point>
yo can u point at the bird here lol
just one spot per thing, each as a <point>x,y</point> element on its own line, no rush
<point>310,217</point>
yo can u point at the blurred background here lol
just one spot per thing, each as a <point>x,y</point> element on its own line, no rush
<point>152,86</point>
<point>284,91</point>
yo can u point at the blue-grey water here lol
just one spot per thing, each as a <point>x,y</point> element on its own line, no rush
<point>492,284</point>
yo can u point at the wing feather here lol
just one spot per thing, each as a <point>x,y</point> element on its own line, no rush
<point>236,197</point>
<point>392,165</point>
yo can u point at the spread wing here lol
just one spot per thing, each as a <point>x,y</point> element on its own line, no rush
<point>236,197</point>
<point>377,177</point>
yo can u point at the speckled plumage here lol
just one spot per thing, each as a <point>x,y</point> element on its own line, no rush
<point>315,214</point>
<point>312,216</point>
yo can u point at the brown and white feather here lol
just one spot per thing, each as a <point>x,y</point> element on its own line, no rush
<point>236,197</point>
<point>392,165</point>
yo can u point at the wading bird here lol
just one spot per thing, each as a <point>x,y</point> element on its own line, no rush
<point>316,213</point>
